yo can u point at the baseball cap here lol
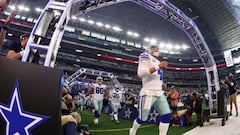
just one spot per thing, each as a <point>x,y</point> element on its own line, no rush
<point>23,36</point>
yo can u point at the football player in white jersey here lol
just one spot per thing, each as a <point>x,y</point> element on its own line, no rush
<point>99,90</point>
<point>150,69</point>
<point>115,102</point>
<point>82,99</point>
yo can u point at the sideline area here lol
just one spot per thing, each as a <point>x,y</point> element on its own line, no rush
<point>214,126</point>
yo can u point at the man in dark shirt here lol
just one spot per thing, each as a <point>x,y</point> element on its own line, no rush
<point>16,50</point>
<point>195,105</point>
<point>232,92</point>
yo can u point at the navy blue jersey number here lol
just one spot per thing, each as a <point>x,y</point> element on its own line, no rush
<point>160,73</point>
<point>99,90</point>
<point>115,95</point>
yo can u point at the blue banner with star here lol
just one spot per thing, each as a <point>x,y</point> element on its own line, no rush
<point>30,99</point>
<point>131,113</point>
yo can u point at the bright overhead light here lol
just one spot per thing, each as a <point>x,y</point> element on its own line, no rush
<point>99,24</point>
<point>146,39</point>
<point>117,28</point>
<point>107,26</point>
<point>169,46</point>
<point>12,7</point>
<point>161,45</point>
<point>129,33</point>
<point>177,47</point>
<point>21,7</point>
<point>184,47</point>
<point>195,60</point>
<point>10,34</point>
<point>7,13</point>
<point>26,9</point>
<point>153,41</point>
<point>135,34</point>
<point>77,60</point>
<point>79,51</point>
<point>38,9</point>
<point>82,19</point>
<point>90,21</point>
<point>180,60</point>
<point>74,17</point>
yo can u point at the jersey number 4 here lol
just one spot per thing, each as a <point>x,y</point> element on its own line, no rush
<point>115,95</point>
<point>99,90</point>
<point>160,73</point>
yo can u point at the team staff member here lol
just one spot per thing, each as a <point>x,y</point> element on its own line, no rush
<point>233,93</point>
<point>16,50</point>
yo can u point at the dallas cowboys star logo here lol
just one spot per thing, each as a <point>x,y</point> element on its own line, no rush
<point>128,113</point>
<point>153,116</point>
<point>19,122</point>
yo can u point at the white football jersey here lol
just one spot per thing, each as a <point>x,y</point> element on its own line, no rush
<point>116,96</point>
<point>82,96</point>
<point>98,91</point>
<point>152,83</point>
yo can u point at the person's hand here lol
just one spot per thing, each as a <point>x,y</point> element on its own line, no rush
<point>9,18</point>
<point>21,53</point>
<point>164,86</point>
<point>163,64</point>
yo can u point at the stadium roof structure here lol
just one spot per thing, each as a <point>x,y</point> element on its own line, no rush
<point>216,20</point>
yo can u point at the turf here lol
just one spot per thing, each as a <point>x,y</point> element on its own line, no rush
<point>109,127</point>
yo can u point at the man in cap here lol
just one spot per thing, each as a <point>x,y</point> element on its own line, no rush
<point>16,50</point>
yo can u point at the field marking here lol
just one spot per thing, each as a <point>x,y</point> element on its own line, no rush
<point>122,129</point>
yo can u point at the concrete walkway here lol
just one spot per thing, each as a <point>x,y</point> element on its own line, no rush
<point>214,127</point>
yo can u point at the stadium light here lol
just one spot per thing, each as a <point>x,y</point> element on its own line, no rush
<point>177,47</point>
<point>12,7</point>
<point>146,39</point>
<point>7,13</point>
<point>21,7</point>
<point>195,60</point>
<point>184,47</point>
<point>116,28</point>
<point>38,9</point>
<point>26,9</point>
<point>162,45</point>
<point>135,34</point>
<point>129,33</point>
<point>79,51</point>
<point>153,41</point>
<point>82,19</point>
<point>169,46</point>
<point>107,26</point>
<point>90,21</point>
<point>74,17</point>
<point>99,24</point>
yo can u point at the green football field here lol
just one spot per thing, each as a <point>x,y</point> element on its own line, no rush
<point>109,127</point>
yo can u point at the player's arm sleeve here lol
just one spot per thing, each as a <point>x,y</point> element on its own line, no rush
<point>143,65</point>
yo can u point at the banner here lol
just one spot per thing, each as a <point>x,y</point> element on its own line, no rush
<point>30,99</point>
